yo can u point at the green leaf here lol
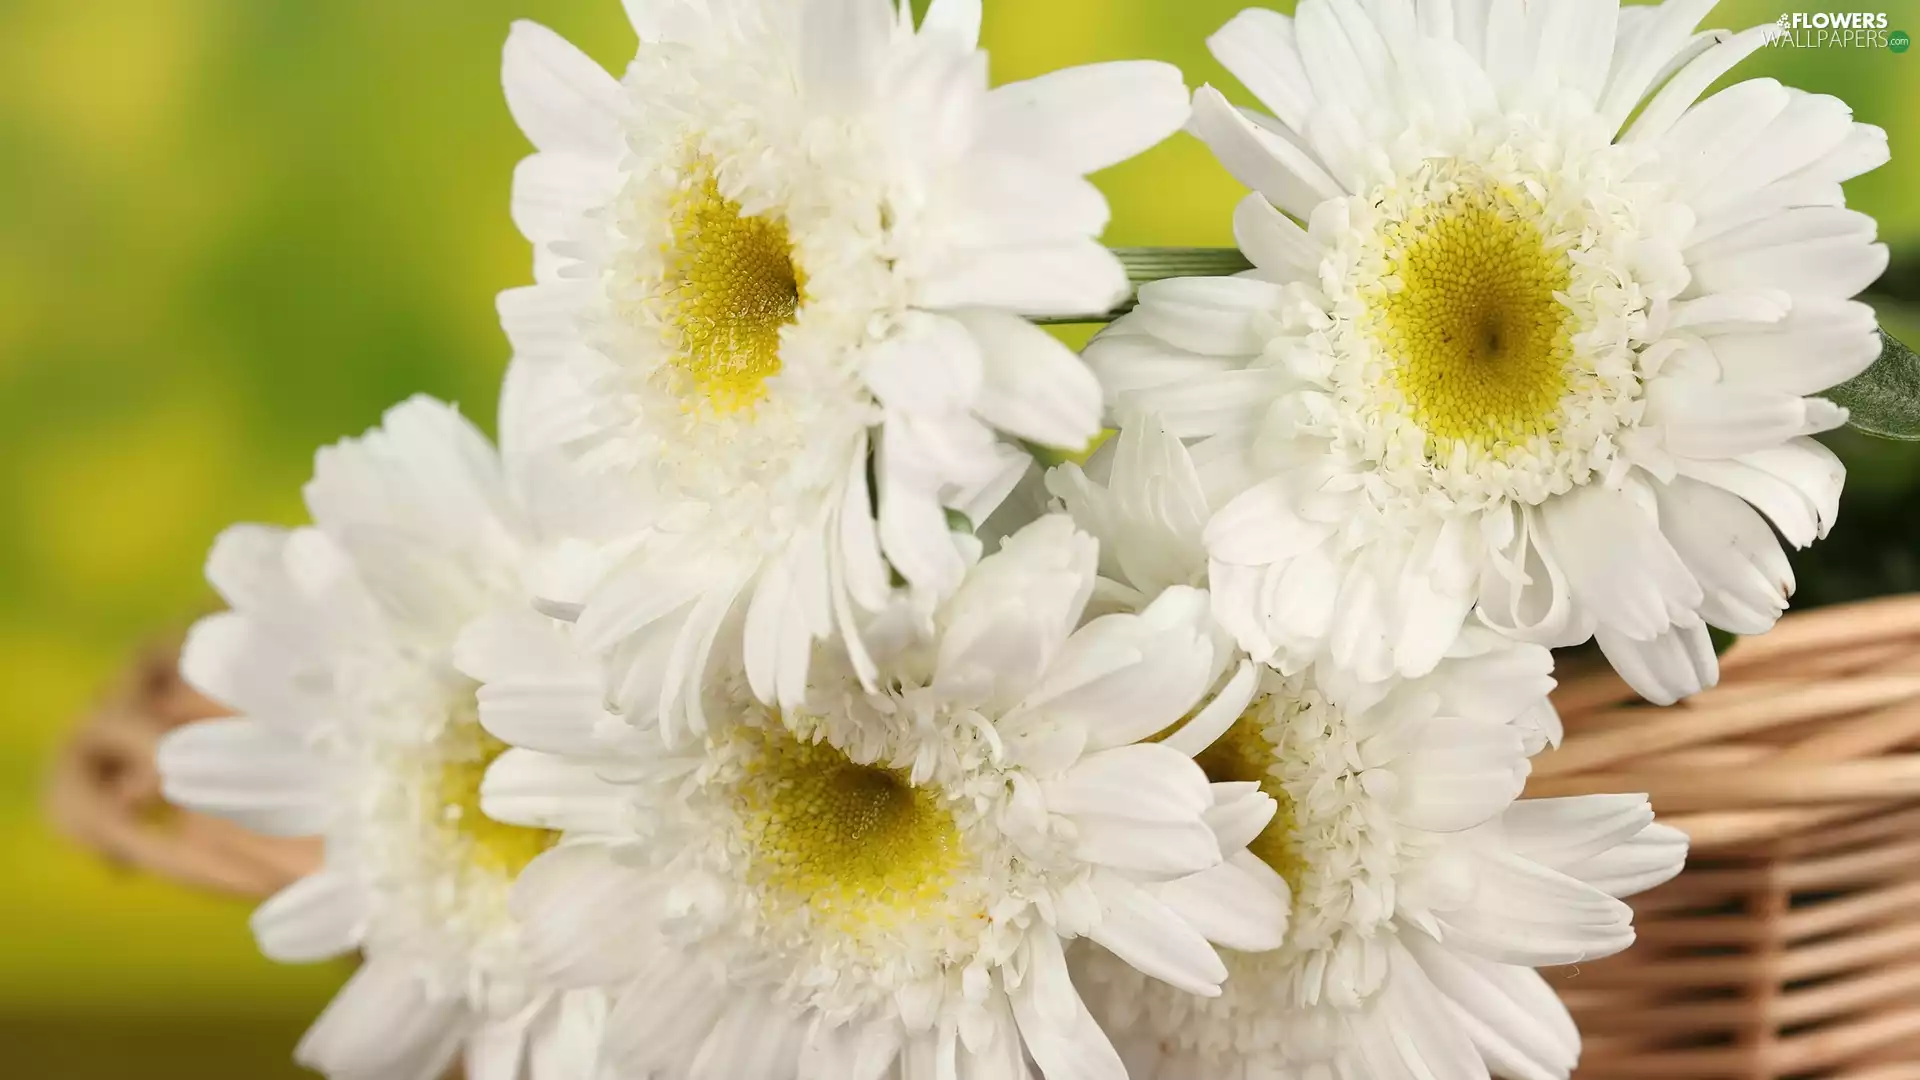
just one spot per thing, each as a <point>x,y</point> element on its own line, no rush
<point>1148,264</point>
<point>1884,400</point>
<point>1051,457</point>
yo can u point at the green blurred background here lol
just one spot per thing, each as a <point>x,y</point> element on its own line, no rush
<point>234,230</point>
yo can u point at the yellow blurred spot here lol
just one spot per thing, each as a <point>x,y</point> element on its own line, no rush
<point>117,506</point>
<point>109,84</point>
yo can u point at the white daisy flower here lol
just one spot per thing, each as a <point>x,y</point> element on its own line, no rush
<point>880,882</point>
<point>786,260</point>
<point>1422,895</point>
<point>1544,345</point>
<point>357,728</point>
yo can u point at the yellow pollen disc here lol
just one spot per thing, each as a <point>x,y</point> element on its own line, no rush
<point>1245,754</point>
<point>855,844</point>
<point>504,849</point>
<point>731,285</point>
<point>1477,342</point>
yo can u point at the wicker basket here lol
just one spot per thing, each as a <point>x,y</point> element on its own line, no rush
<point>1790,946</point>
<point>105,791</point>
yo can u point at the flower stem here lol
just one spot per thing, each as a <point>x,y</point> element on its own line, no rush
<point>1145,264</point>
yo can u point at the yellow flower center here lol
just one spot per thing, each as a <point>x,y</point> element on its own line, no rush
<point>1245,754</point>
<point>503,849</point>
<point>731,285</point>
<point>856,845</point>
<point>1477,340</point>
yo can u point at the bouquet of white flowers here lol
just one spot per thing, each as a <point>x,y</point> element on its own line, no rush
<point>832,676</point>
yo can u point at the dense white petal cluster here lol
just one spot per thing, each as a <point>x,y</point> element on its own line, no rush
<point>784,262</point>
<point>760,711</point>
<point>356,727</point>
<point>1530,340</point>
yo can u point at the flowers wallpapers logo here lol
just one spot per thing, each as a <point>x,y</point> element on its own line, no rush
<point>1831,29</point>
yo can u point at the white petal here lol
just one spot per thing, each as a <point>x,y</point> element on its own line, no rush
<point>1821,343</point>
<point>842,44</point>
<point>1032,386</point>
<point>421,505</point>
<point>1523,913</point>
<point>1513,1018</point>
<point>1272,241</point>
<point>1009,202</point>
<point>1711,134</point>
<point>1728,546</point>
<point>385,1023</point>
<point>497,1049</point>
<point>1152,937</point>
<point>1213,316</point>
<point>1231,906</point>
<point>1676,663</point>
<point>1796,485</point>
<point>248,773</point>
<point>1236,820</point>
<point>1863,150</point>
<point>1125,677</point>
<point>1130,362</point>
<point>559,97</point>
<point>1084,119</point>
<point>537,690</point>
<point>1264,525</point>
<point>525,787</point>
<point>1345,58</point>
<point>1257,46</point>
<point>1681,91</point>
<point>1205,402</point>
<point>663,1016</point>
<point>1160,849</point>
<point>1016,609</point>
<point>958,20</point>
<point>248,567</point>
<point>1461,775</point>
<point>585,919</point>
<point>1811,127</point>
<point>1617,564</point>
<point>847,1052</point>
<point>1409,1033</point>
<point>317,917</point>
<point>1142,782</point>
<point>1262,160</point>
<point>1728,419</point>
<point>552,193</point>
<point>1213,721</point>
<point>1642,53</point>
<point>1652,857</point>
<point>540,320</point>
<point>1435,594</point>
<point>1060,1034</point>
<point>237,660</point>
<point>755,1039</point>
<point>1501,683</point>
<point>1073,276</point>
<point>914,532</point>
<point>1565,832</point>
<point>859,543</point>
